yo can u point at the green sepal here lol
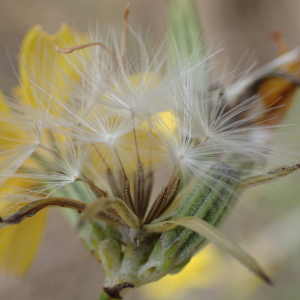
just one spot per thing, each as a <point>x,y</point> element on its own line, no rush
<point>110,254</point>
<point>209,200</point>
<point>94,231</point>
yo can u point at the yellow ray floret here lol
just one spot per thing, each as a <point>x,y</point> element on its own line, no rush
<point>19,243</point>
<point>40,65</point>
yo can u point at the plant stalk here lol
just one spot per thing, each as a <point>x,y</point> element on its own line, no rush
<point>104,296</point>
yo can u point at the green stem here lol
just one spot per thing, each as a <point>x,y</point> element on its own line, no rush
<point>104,296</point>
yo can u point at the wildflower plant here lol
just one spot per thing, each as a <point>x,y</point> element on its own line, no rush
<point>98,117</point>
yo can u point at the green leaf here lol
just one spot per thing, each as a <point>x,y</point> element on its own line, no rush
<point>187,42</point>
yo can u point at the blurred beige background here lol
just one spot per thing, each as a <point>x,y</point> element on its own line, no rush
<point>63,269</point>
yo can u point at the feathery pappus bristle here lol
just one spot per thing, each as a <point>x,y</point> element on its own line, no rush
<point>126,114</point>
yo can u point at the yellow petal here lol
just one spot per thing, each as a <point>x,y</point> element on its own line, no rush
<point>7,129</point>
<point>3,105</point>
<point>19,243</point>
<point>3,109</point>
<point>4,129</point>
<point>41,65</point>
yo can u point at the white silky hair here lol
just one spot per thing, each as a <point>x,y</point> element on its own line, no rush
<point>112,99</point>
<point>206,129</point>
